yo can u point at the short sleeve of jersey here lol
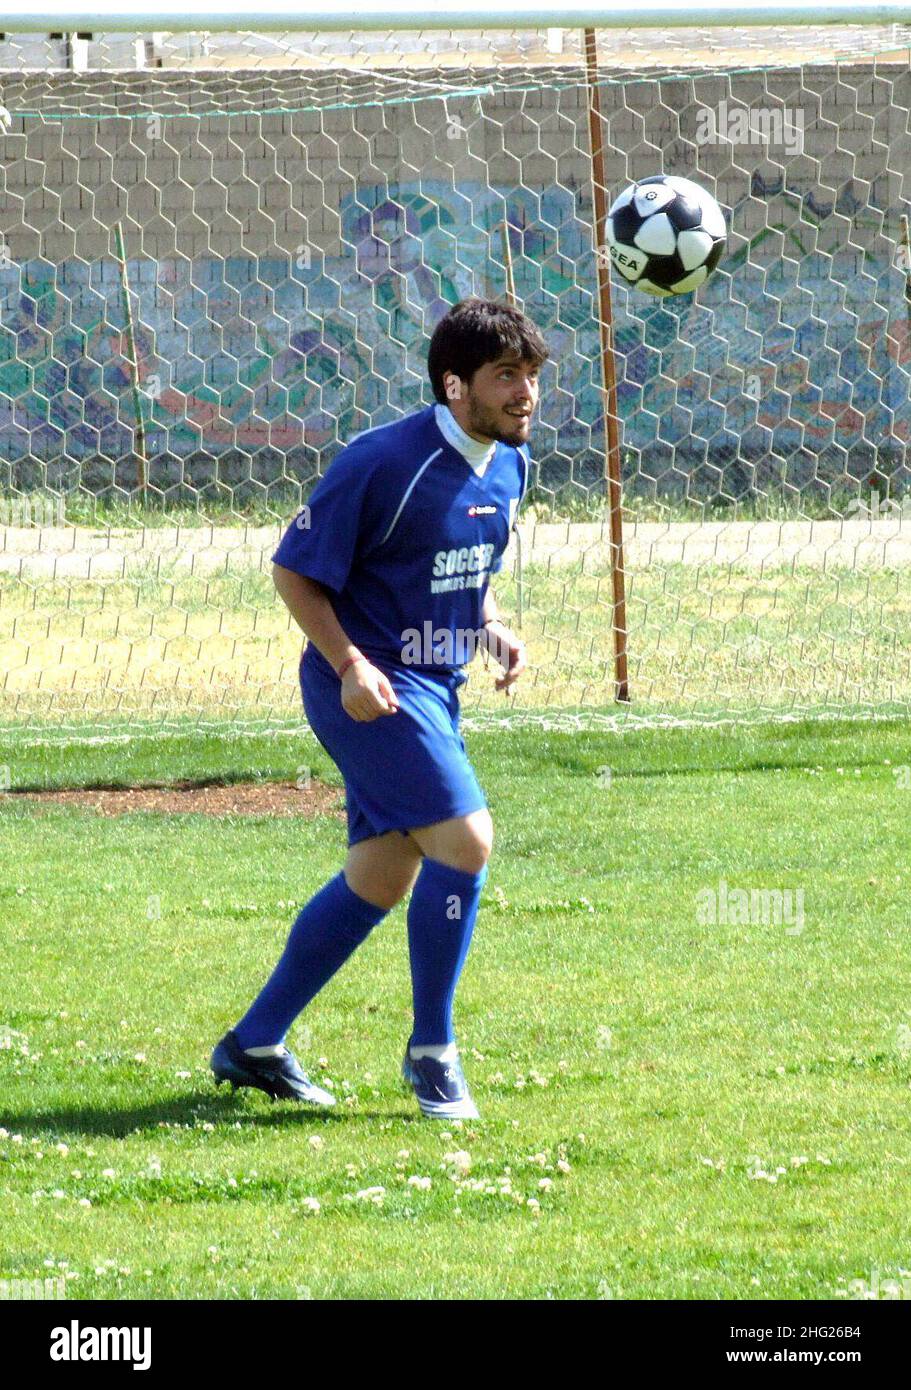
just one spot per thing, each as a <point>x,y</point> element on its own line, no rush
<point>341,518</point>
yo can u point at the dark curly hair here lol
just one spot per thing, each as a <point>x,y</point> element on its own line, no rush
<point>476,331</point>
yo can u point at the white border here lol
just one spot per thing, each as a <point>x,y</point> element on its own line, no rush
<point>27,16</point>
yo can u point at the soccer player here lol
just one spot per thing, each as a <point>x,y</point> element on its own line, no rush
<point>387,572</point>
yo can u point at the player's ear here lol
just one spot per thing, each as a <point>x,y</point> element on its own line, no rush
<point>453,387</point>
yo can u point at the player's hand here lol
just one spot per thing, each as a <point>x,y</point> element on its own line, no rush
<point>508,650</point>
<point>367,693</point>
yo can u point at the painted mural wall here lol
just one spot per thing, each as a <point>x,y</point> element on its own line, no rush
<point>287,269</point>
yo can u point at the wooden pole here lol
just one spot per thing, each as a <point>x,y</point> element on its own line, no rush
<point>903,261</point>
<point>511,300</point>
<point>142,461</point>
<point>608,372</point>
<point>507,261</point>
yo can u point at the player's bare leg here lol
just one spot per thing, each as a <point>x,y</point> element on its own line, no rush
<point>383,868</point>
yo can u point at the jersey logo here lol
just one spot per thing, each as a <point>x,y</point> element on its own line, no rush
<point>482,511</point>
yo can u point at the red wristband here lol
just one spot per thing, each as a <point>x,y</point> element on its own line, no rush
<point>350,662</point>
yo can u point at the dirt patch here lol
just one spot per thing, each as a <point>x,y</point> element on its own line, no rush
<point>238,799</point>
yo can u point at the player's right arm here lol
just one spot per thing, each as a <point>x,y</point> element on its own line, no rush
<point>314,558</point>
<point>366,692</point>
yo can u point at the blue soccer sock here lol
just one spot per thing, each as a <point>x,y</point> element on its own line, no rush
<point>332,925</point>
<point>441,918</point>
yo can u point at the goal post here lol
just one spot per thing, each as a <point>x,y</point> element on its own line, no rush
<point>226,249</point>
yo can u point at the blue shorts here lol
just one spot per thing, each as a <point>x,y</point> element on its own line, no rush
<point>402,770</point>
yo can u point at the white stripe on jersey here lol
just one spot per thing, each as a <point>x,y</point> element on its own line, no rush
<point>373,429</point>
<point>408,492</point>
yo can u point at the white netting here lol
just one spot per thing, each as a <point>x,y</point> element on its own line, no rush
<point>297,213</point>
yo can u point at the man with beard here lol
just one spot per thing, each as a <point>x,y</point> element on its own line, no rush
<point>387,572</point>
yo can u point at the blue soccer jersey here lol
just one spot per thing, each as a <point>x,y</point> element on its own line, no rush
<point>405,534</point>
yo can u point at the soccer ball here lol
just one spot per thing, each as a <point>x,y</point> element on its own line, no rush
<point>665,234</point>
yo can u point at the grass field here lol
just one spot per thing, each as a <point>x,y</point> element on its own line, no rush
<point>572,502</point>
<point>699,1110</point>
<point>703,637</point>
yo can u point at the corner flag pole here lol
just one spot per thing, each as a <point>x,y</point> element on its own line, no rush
<point>608,372</point>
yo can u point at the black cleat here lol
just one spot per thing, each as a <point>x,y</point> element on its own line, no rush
<point>280,1077</point>
<point>440,1087</point>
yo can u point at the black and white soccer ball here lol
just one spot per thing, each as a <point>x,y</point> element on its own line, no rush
<point>665,234</point>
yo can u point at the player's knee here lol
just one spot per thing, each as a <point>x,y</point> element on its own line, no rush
<point>383,869</point>
<point>473,862</point>
<point>385,889</point>
<point>463,843</point>
<point>383,896</point>
<point>404,881</point>
<point>475,843</point>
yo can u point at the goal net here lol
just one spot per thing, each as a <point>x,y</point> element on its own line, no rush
<point>222,255</point>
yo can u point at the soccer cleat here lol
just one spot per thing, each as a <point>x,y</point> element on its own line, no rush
<point>441,1089</point>
<point>280,1077</point>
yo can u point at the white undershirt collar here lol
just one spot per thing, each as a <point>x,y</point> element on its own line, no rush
<point>475,453</point>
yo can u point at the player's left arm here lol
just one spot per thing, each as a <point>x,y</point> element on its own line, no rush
<point>503,644</point>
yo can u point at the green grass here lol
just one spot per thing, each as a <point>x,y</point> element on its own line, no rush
<point>702,638</point>
<point>572,502</point>
<point>646,1064</point>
